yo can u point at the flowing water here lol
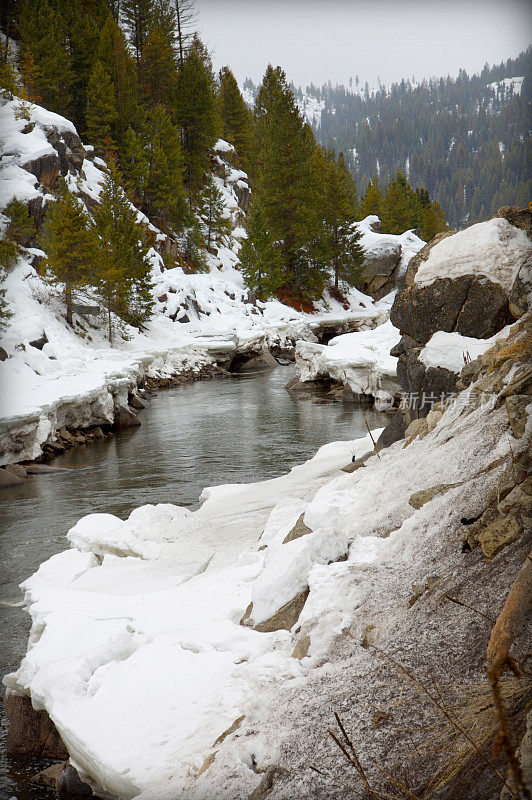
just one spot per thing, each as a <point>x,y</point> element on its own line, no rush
<point>235,430</point>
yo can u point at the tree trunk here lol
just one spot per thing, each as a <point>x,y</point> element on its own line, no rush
<point>179,32</point>
<point>68,299</point>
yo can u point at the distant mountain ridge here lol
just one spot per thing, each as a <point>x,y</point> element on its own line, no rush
<point>467,140</point>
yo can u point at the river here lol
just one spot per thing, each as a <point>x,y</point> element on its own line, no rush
<point>233,430</point>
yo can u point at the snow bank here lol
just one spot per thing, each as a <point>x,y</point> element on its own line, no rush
<point>360,360</point>
<point>451,350</point>
<point>150,665</point>
<point>494,249</point>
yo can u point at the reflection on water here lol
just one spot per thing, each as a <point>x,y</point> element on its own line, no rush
<point>236,430</point>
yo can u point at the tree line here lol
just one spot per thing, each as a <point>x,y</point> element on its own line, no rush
<point>465,139</point>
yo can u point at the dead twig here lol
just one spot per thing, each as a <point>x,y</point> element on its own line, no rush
<point>372,439</point>
<point>465,605</point>
<point>443,710</point>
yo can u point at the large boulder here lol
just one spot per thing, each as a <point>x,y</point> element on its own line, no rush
<point>469,284</point>
<point>385,256</point>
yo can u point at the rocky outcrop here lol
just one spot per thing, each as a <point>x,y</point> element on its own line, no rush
<point>460,299</point>
<point>31,733</point>
<point>379,269</point>
<point>68,157</point>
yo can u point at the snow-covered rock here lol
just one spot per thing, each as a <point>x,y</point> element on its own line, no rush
<point>386,256</point>
<point>360,360</point>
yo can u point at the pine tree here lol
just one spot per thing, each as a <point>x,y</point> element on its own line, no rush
<point>197,114</point>
<point>124,271</point>
<point>339,241</point>
<point>261,259</point>
<point>70,244</point>
<point>164,195</point>
<point>113,54</point>
<point>432,221</point>
<point>285,186</point>
<point>237,120</point>
<point>138,18</point>
<point>135,165</point>
<point>45,49</point>
<point>102,112</point>
<point>212,212</point>
<point>21,227</point>
<point>371,201</point>
<point>157,71</point>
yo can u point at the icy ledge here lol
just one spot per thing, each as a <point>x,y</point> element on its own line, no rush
<point>360,360</point>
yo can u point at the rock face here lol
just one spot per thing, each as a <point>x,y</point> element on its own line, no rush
<point>379,269</point>
<point>69,157</point>
<point>31,733</point>
<point>485,288</point>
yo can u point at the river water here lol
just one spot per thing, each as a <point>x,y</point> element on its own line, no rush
<point>232,430</point>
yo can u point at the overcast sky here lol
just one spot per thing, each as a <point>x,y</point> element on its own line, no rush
<point>335,39</point>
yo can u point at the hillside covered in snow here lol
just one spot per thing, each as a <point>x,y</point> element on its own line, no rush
<point>463,139</point>
<point>62,375</point>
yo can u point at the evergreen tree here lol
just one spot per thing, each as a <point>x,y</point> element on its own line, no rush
<point>236,118</point>
<point>260,256</point>
<point>102,111</point>
<point>21,227</point>
<point>285,187</point>
<point>123,277</point>
<point>157,71</point>
<point>45,51</point>
<point>135,165</point>
<point>164,195</point>
<point>400,207</point>
<point>339,241</point>
<point>70,244</point>
<point>197,114</point>
<point>371,201</point>
<point>213,214</point>
<point>138,18</point>
<point>112,53</point>
<point>432,221</point>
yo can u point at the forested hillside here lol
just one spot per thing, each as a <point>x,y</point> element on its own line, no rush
<point>139,85</point>
<point>466,139</point>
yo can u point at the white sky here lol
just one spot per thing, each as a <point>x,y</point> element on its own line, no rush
<point>335,39</point>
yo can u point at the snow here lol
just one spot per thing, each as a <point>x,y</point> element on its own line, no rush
<point>382,245</point>
<point>360,360</point>
<point>77,379</point>
<point>310,108</point>
<point>450,350</point>
<point>494,250</point>
<point>513,84</point>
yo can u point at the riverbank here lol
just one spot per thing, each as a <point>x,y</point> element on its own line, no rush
<point>245,427</point>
